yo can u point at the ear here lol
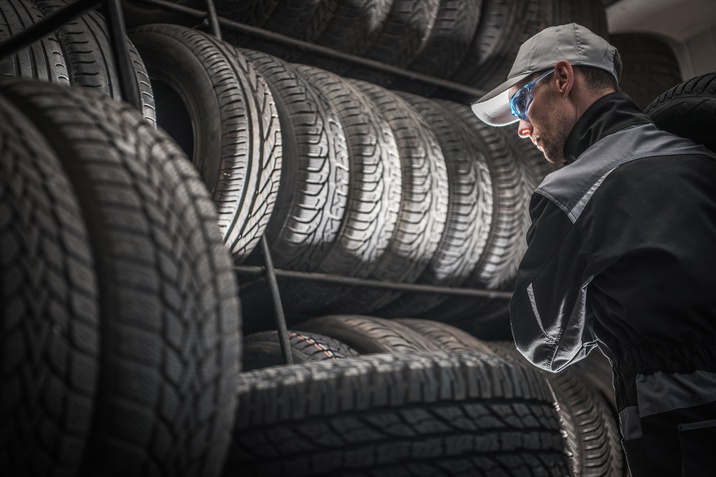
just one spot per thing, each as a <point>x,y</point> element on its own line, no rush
<point>564,75</point>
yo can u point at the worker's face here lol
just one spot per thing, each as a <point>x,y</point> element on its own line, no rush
<point>545,123</point>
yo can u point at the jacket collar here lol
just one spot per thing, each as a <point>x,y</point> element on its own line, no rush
<point>609,114</point>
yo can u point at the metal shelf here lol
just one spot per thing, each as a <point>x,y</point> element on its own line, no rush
<point>115,21</point>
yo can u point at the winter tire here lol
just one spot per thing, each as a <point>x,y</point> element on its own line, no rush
<point>169,329</point>
<point>688,110</point>
<point>49,344</point>
<point>433,414</point>
<point>591,435</point>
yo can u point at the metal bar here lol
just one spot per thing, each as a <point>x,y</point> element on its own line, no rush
<point>341,280</point>
<point>276,37</point>
<point>125,68</point>
<point>213,19</point>
<point>273,288</point>
<point>45,26</point>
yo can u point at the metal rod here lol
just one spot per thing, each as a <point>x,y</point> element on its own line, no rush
<point>125,68</point>
<point>278,307</point>
<point>45,26</point>
<point>276,37</point>
<point>213,19</point>
<point>341,280</point>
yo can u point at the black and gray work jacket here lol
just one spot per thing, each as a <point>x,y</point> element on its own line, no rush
<point>622,255</point>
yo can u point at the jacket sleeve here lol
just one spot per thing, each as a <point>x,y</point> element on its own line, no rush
<point>551,324</point>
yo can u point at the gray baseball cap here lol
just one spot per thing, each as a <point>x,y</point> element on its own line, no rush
<point>572,42</point>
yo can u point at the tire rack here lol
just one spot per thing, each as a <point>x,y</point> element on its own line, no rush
<point>117,30</point>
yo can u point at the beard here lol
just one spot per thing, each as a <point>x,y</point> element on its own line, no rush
<point>552,135</point>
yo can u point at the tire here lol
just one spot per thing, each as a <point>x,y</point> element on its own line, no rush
<point>373,194</point>
<point>433,414</point>
<point>591,435</point>
<point>313,191</point>
<point>41,60</point>
<point>49,345</point>
<point>688,110</point>
<point>447,337</point>
<point>401,38</point>
<point>504,25</point>
<point>169,330</point>
<point>350,29</point>
<point>455,26</point>
<point>423,204</point>
<point>220,110</point>
<point>650,66</point>
<point>136,13</point>
<point>250,12</point>
<point>300,19</point>
<point>367,334</point>
<point>469,214</point>
<point>263,349</point>
<point>506,244</point>
<point>87,48</point>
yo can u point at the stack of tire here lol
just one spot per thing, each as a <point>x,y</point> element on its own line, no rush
<point>343,177</point>
<point>119,310</point>
<point>465,41</point>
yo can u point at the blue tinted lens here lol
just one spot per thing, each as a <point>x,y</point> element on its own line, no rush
<point>520,101</point>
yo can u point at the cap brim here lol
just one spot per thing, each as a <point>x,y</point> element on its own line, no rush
<point>494,107</point>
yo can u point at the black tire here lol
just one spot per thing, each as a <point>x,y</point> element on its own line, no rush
<point>433,414</point>
<point>468,219</point>
<point>300,19</point>
<point>447,337</point>
<point>588,13</point>
<point>137,13</point>
<point>373,194</point>
<point>169,336</point>
<point>688,110</point>
<point>251,12</point>
<point>220,110</point>
<point>368,334</point>
<point>423,204</point>
<point>312,197</point>
<point>263,349</point>
<point>49,344</point>
<point>650,66</point>
<point>350,29</point>
<point>591,434</point>
<point>455,26</point>
<point>401,38</point>
<point>87,49</point>
<point>506,243</point>
<point>504,25</point>
<point>41,60</point>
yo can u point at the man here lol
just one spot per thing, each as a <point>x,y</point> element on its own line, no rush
<point>622,248</point>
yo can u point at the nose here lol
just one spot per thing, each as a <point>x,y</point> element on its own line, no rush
<point>524,128</point>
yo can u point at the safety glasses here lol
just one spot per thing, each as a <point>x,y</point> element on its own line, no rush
<point>521,100</point>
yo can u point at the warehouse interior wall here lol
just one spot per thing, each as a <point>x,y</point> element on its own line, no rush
<point>689,26</point>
